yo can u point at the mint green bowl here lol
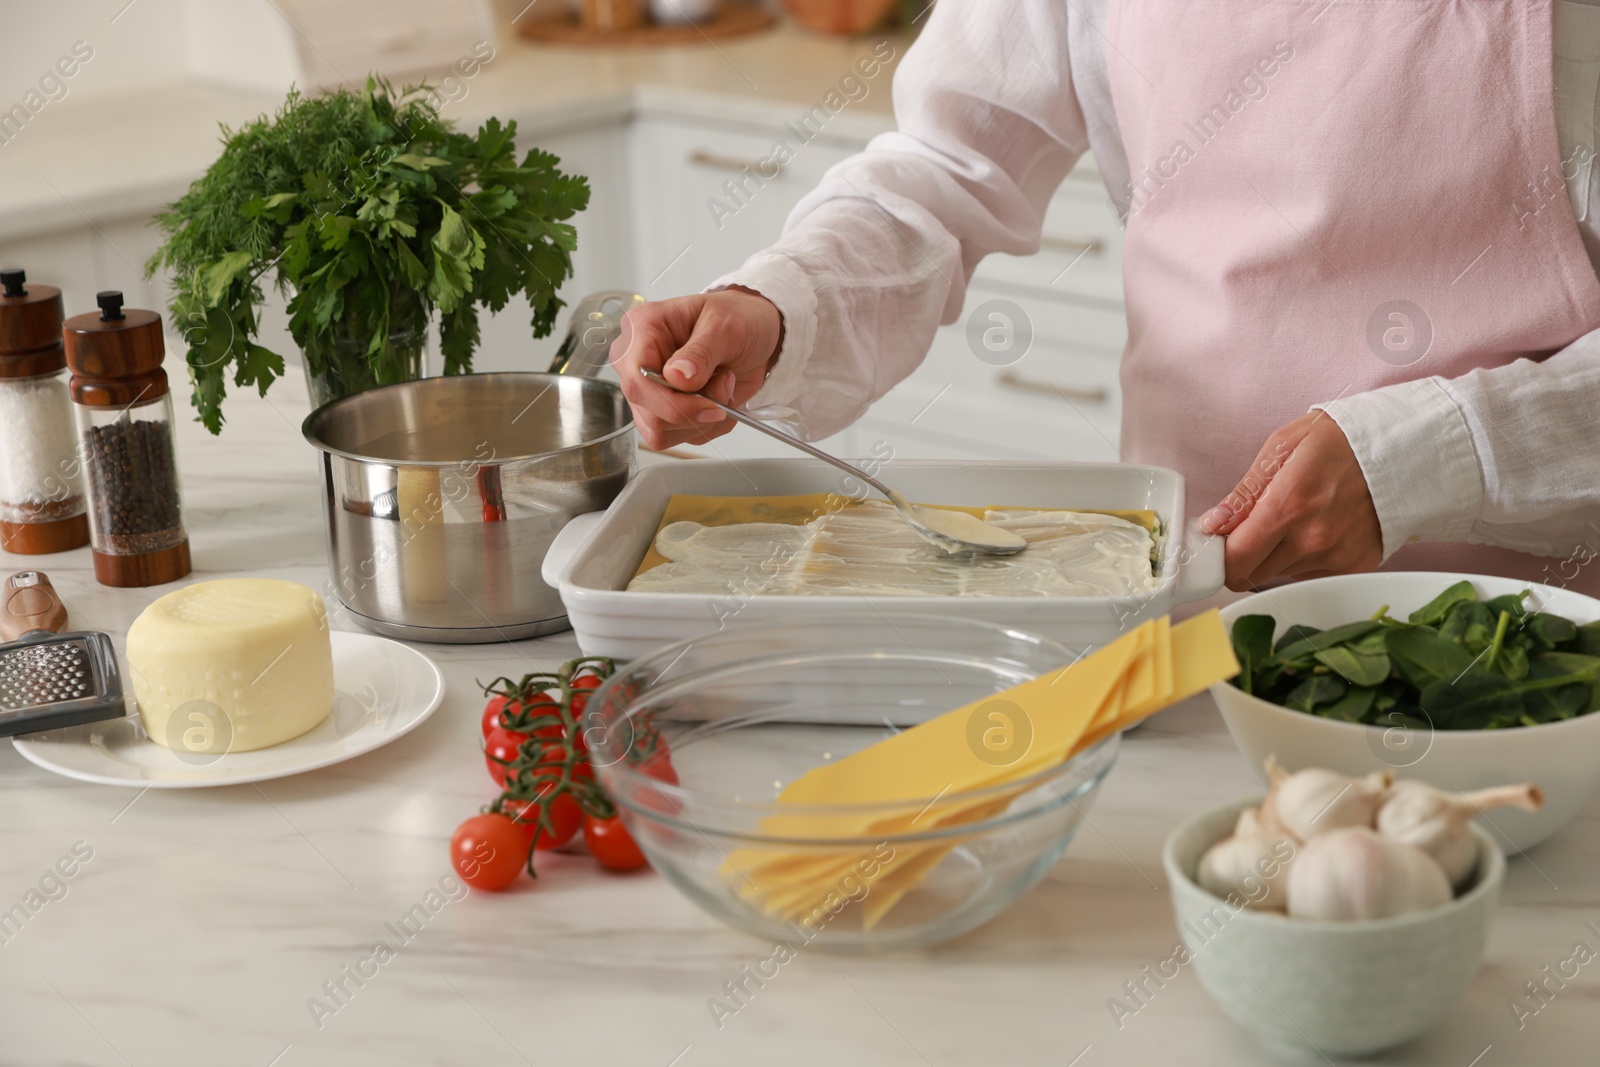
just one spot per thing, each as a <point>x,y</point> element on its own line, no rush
<point>1339,988</point>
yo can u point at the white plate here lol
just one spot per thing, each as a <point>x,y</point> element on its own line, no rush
<point>382,690</point>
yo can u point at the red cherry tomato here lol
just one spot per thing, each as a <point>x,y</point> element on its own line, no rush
<point>500,708</point>
<point>611,844</point>
<point>491,714</point>
<point>487,851</point>
<point>500,748</point>
<point>565,814</point>
<point>659,767</point>
<point>582,686</point>
<point>504,747</point>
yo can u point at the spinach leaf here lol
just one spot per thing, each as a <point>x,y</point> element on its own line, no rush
<point>1567,663</point>
<point>1352,707</point>
<point>1464,617</point>
<point>1252,644</point>
<point>1354,667</point>
<point>1294,634</point>
<point>1422,657</point>
<point>1588,640</point>
<point>1549,631</point>
<point>1548,705</point>
<point>1318,689</point>
<point>1512,662</point>
<point>1583,670</point>
<point>1326,639</point>
<point>1477,700</point>
<point>1370,645</point>
<point>1433,612</point>
<point>1458,664</point>
<point>1508,602</point>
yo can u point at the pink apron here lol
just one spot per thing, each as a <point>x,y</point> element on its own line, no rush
<point>1304,170</point>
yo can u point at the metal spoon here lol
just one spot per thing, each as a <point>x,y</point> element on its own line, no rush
<point>922,520</point>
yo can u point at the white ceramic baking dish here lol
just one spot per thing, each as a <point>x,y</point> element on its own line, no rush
<point>592,560</point>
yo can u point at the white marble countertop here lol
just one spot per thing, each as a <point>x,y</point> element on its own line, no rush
<point>206,918</point>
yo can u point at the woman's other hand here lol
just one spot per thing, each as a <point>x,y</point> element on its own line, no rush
<point>1303,510</point>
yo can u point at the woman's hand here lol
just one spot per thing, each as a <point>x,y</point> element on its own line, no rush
<point>723,343</point>
<point>1303,511</point>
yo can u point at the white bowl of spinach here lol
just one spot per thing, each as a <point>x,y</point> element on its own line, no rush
<point>1460,680</point>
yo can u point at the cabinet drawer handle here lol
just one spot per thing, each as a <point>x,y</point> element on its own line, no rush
<point>1083,246</point>
<point>1095,395</point>
<point>701,158</point>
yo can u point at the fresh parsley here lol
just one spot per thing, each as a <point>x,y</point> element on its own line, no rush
<point>371,213</point>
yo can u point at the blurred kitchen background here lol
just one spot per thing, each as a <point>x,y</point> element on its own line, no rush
<point>110,108</point>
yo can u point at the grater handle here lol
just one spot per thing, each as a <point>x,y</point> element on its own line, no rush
<point>30,604</point>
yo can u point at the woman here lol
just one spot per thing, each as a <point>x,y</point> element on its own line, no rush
<point>1360,264</point>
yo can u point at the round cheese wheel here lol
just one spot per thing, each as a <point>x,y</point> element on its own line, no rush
<point>231,665</point>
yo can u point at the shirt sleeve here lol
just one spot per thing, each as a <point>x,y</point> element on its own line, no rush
<point>1507,456</point>
<point>880,254</point>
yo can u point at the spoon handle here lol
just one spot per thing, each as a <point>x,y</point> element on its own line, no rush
<point>772,431</point>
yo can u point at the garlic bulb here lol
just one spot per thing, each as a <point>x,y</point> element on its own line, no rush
<point>1437,821</point>
<point>1314,801</point>
<point>1356,873</point>
<point>1249,866</point>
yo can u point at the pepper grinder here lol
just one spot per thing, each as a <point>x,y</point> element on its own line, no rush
<point>41,497</point>
<point>123,412</point>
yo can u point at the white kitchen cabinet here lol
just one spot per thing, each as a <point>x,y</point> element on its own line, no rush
<point>602,260</point>
<point>683,170</point>
<point>1060,401</point>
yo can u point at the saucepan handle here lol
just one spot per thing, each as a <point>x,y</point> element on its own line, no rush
<point>1201,565</point>
<point>566,545</point>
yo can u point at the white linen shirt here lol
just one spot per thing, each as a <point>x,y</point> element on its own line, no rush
<point>994,105</point>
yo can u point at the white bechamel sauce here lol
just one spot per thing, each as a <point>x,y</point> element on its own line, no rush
<point>968,528</point>
<point>868,550</point>
<point>955,531</point>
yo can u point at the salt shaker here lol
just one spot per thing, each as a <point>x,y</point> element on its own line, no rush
<point>41,496</point>
<point>123,413</point>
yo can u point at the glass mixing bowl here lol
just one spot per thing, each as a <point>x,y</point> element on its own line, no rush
<point>695,742</point>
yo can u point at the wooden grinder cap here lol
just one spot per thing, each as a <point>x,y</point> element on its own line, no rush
<point>30,345</point>
<point>30,327</point>
<point>116,355</point>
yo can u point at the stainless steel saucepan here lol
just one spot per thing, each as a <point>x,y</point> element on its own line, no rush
<point>442,495</point>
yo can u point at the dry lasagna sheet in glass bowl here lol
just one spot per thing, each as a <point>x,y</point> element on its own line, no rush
<point>825,544</point>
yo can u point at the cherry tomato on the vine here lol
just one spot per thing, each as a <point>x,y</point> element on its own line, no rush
<point>659,767</point>
<point>487,851</point>
<point>582,686</point>
<point>611,844</point>
<point>500,748</point>
<point>565,816</point>
<point>501,708</point>
<point>491,714</point>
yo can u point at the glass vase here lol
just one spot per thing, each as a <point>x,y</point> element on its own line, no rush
<point>340,365</point>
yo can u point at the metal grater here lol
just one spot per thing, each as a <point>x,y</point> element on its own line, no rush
<point>52,680</point>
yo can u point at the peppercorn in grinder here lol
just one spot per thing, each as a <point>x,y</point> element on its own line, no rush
<point>41,497</point>
<point>123,413</point>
